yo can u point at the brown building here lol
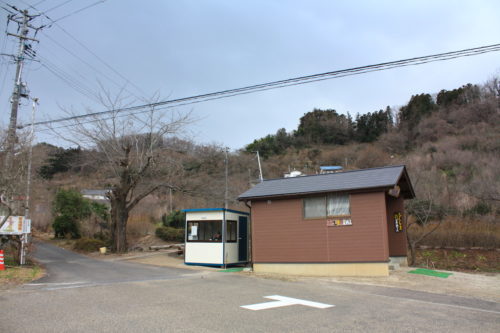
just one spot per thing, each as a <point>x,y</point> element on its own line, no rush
<point>344,223</point>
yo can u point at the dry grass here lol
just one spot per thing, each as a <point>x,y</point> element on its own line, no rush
<point>461,233</point>
<point>464,260</point>
<point>140,225</point>
<point>15,275</point>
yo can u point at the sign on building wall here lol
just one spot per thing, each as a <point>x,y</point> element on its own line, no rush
<point>15,225</point>
<point>338,222</point>
<point>398,222</point>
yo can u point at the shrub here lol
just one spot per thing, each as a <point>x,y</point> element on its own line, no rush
<point>175,219</point>
<point>65,226</point>
<point>481,208</point>
<point>72,204</point>
<point>89,244</point>
<point>170,234</point>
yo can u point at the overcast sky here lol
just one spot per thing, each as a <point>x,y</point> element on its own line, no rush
<point>184,48</point>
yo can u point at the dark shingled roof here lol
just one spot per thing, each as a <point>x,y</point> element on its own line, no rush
<point>385,177</point>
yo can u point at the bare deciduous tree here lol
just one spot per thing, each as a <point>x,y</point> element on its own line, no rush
<point>129,150</point>
<point>423,213</point>
<point>13,185</point>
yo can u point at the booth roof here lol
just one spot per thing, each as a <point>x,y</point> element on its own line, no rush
<point>214,210</point>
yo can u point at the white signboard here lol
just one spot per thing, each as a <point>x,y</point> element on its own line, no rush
<point>15,225</point>
<point>194,233</point>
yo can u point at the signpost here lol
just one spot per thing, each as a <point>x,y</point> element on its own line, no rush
<point>17,226</point>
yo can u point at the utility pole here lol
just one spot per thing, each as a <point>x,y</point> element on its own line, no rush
<point>226,162</point>
<point>30,158</point>
<point>25,236</point>
<point>19,88</point>
<point>260,167</point>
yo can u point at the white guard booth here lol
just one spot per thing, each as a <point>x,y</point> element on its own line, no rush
<point>207,245</point>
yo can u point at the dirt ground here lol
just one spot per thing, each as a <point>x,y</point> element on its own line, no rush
<point>481,286</point>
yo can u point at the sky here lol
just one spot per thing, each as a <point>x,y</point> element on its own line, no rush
<point>184,48</point>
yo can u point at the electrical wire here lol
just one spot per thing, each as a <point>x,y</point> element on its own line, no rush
<point>78,11</point>
<point>127,81</point>
<point>39,2</point>
<point>55,57</point>
<point>83,61</point>
<point>69,79</point>
<point>281,84</point>
<point>55,7</point>
<point>53,22</point>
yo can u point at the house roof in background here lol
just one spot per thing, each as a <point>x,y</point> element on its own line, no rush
<point>383,177</point>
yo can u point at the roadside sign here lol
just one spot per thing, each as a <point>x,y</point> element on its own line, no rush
<point>15,225</point>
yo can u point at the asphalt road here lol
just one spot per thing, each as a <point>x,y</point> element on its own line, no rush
<point>86,295</point>
<point>66,268</point>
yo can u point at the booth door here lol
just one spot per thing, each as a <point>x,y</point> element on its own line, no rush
<point>242,238</point>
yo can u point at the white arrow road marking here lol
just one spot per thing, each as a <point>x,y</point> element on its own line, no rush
<point>285,301</point>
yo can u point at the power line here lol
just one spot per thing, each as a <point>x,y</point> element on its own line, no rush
<point>127,81</point>
<point>288,82</point>
<point>78,10</point>
<point>82,60</point>
<point>69,80</point>
<point>39,2</point>
<point>54,22</point>
<point>55,7</point>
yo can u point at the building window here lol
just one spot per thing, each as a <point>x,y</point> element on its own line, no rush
<point>231,231</point>
<point>204,231</point>
<point>314,207</point>
<point>331,205</point>
<point>211,231</point>
<point>338,205</point>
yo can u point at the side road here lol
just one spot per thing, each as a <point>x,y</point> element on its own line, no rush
<point>66,268</point>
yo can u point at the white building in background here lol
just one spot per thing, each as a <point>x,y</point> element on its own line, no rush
<point>96,195</point>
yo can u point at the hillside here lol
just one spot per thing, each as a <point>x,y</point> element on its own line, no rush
<point>449,141</point>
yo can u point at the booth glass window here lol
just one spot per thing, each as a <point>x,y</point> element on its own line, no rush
<point>231,232</point>
<point>331,205</point>
<point>204,231</point>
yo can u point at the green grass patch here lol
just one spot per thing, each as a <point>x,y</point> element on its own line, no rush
<point>430,272</point>
<point>235,269</point>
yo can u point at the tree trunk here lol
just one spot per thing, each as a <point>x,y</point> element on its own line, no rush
<point>119,218</point>
<point>411,247</point>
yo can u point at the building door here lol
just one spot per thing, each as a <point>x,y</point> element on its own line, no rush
<point>242,238</point>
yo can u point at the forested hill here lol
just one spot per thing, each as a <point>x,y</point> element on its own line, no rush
<point>450,142</point>
<point>449,113</point>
